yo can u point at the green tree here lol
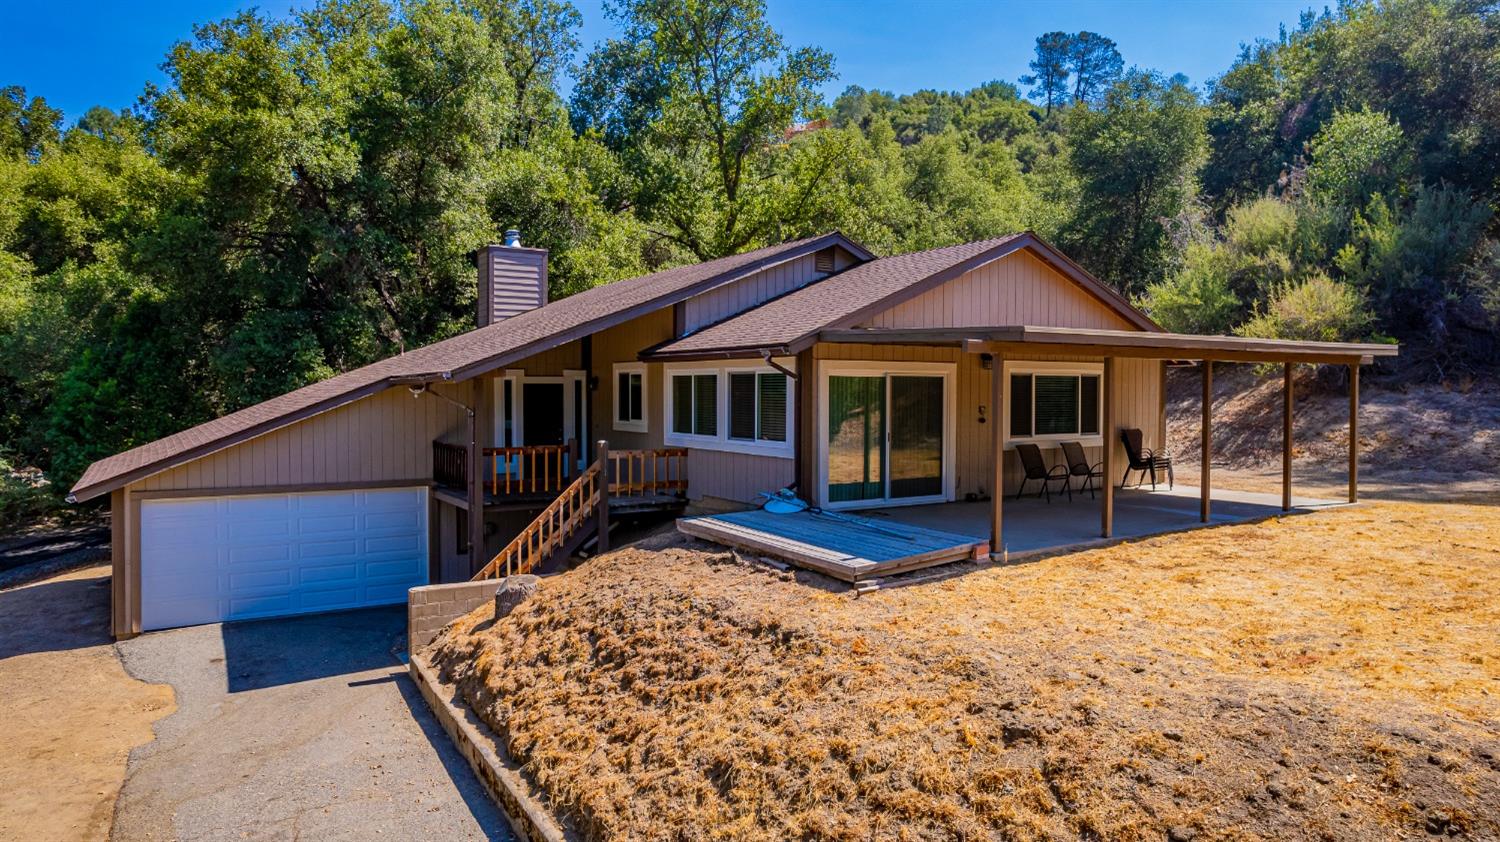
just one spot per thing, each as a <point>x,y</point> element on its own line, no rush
<point>1135,158</point>
<point>1049,70</point>
<point>1095,64</point>
<point>718,91</point>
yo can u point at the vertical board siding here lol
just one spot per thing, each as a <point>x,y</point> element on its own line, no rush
<point>1017,289</point>
<point>737,477</point>
<point>623,344</point>
<point>386,436</point>
<point>722,302</point>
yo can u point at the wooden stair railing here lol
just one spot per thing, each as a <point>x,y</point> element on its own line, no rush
<point>564,524</point>
<point>532,469</point>
<point>575,508</point>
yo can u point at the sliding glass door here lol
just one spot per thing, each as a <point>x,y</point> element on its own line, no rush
<point>885,438</point>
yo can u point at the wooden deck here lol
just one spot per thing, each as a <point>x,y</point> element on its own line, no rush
<point>852,549</point>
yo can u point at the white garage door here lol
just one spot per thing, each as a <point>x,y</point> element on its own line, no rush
<point>208,559</point>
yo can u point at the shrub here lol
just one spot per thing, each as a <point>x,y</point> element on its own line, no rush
<point>1197,299</point>
<point>25,493</point>
<point>1315,309</point>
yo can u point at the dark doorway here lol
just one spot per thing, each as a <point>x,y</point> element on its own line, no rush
<point>542,413</point>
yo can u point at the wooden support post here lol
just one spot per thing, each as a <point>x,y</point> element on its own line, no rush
<point>1107,512</point>
<point>601,449</point>
<point>1161,408</point>
<point>997,466</point>
<point>1286,437</point>
<point>805,447</point>
<point>475,483</point>
<point>1354,433</point>
<point>1205,481</point>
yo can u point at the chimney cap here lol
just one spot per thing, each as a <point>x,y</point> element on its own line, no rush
<point>512,238</point>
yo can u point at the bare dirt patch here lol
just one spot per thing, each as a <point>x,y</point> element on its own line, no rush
<point>1319,676</point>
<point>1418,441</point>
<point>72,714</point>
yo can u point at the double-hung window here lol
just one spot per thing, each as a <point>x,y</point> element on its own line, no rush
<point>630,397</point>
<point>743,410</point>
<point>1052,403</point>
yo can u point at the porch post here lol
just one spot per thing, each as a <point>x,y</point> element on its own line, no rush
<point>601,512</point>
<point>805,445</point>
<point>476,477</point>
<point>1107,513</point>
<point>997,464</point>
<point>1205,481</point>
<point>1354,432</point>
<point>1286,437</point>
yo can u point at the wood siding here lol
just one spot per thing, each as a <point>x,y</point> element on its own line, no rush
<point>387,436</point>
<point>722,302</point>
<point>736,477</point>
<point>1017,289</point>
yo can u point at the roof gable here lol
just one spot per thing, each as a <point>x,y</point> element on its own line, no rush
<point>1018,288</point>
<point>792,322</point>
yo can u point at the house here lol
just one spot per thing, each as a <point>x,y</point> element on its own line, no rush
<point>863,382</point>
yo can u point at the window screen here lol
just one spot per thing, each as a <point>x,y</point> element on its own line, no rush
<point>1056,404</point>
<point>1089,401</point>
<point>742,406</point>
<point>772,411</point>
<point>1020,405</point>
<point>706,404</point>
<point>682,404</point>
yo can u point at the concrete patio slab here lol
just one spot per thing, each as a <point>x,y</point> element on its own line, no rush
<point>1034,526</point>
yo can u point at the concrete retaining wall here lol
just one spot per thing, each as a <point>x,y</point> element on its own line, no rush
<point>431,607</point>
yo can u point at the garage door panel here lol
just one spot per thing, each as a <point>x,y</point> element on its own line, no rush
<point>270,579</point>
<point>206,560</point>
<point>325,574</point>
<point>404,521</point>
<point>322,524</point>
<point>335,598</point>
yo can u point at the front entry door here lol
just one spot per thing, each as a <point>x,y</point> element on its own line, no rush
<point>542,413</point>
<point>885,438</point>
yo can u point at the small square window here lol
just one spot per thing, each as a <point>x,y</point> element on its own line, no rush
<point>630,398</point>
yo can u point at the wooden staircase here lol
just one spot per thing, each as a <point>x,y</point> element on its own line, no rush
<point>620,481</point>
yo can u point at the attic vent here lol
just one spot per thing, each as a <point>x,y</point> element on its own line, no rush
<point>823,260</point>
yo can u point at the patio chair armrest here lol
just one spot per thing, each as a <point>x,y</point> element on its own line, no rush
<point>1097,468</point>
<point>1066,472</point>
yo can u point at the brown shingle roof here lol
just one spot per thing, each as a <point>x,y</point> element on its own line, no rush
<point>793,321</point>
<point>457,358</point>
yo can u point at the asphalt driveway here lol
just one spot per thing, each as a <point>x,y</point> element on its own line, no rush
<point>299,728</point>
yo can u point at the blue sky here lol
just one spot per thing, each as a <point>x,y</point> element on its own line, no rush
<point>104,51</point>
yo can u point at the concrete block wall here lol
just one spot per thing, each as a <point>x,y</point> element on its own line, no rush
<point>431,607</point>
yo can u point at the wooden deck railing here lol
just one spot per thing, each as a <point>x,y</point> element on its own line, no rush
<point>575,509</point>
<point>450,464</point>
<point>535,469</point>
<point>645,472</point>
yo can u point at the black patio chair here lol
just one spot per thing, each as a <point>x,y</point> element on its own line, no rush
<point>1036,469</point>
<point>1078,466</point>
<point>1143,459</point>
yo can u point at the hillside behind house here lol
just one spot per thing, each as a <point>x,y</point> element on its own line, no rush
<point>1418,440</point>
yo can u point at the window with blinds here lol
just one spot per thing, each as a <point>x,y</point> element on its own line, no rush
<point>757,406</point>
<point>695,404</point>
<point>1044,405</point>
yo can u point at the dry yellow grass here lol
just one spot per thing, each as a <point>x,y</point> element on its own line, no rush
<point>1321,676</point>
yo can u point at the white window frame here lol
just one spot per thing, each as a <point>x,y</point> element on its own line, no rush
<point>722,441</point>
<point>867,368</point>
<point>635,426</point>
<point>1051,441</point>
